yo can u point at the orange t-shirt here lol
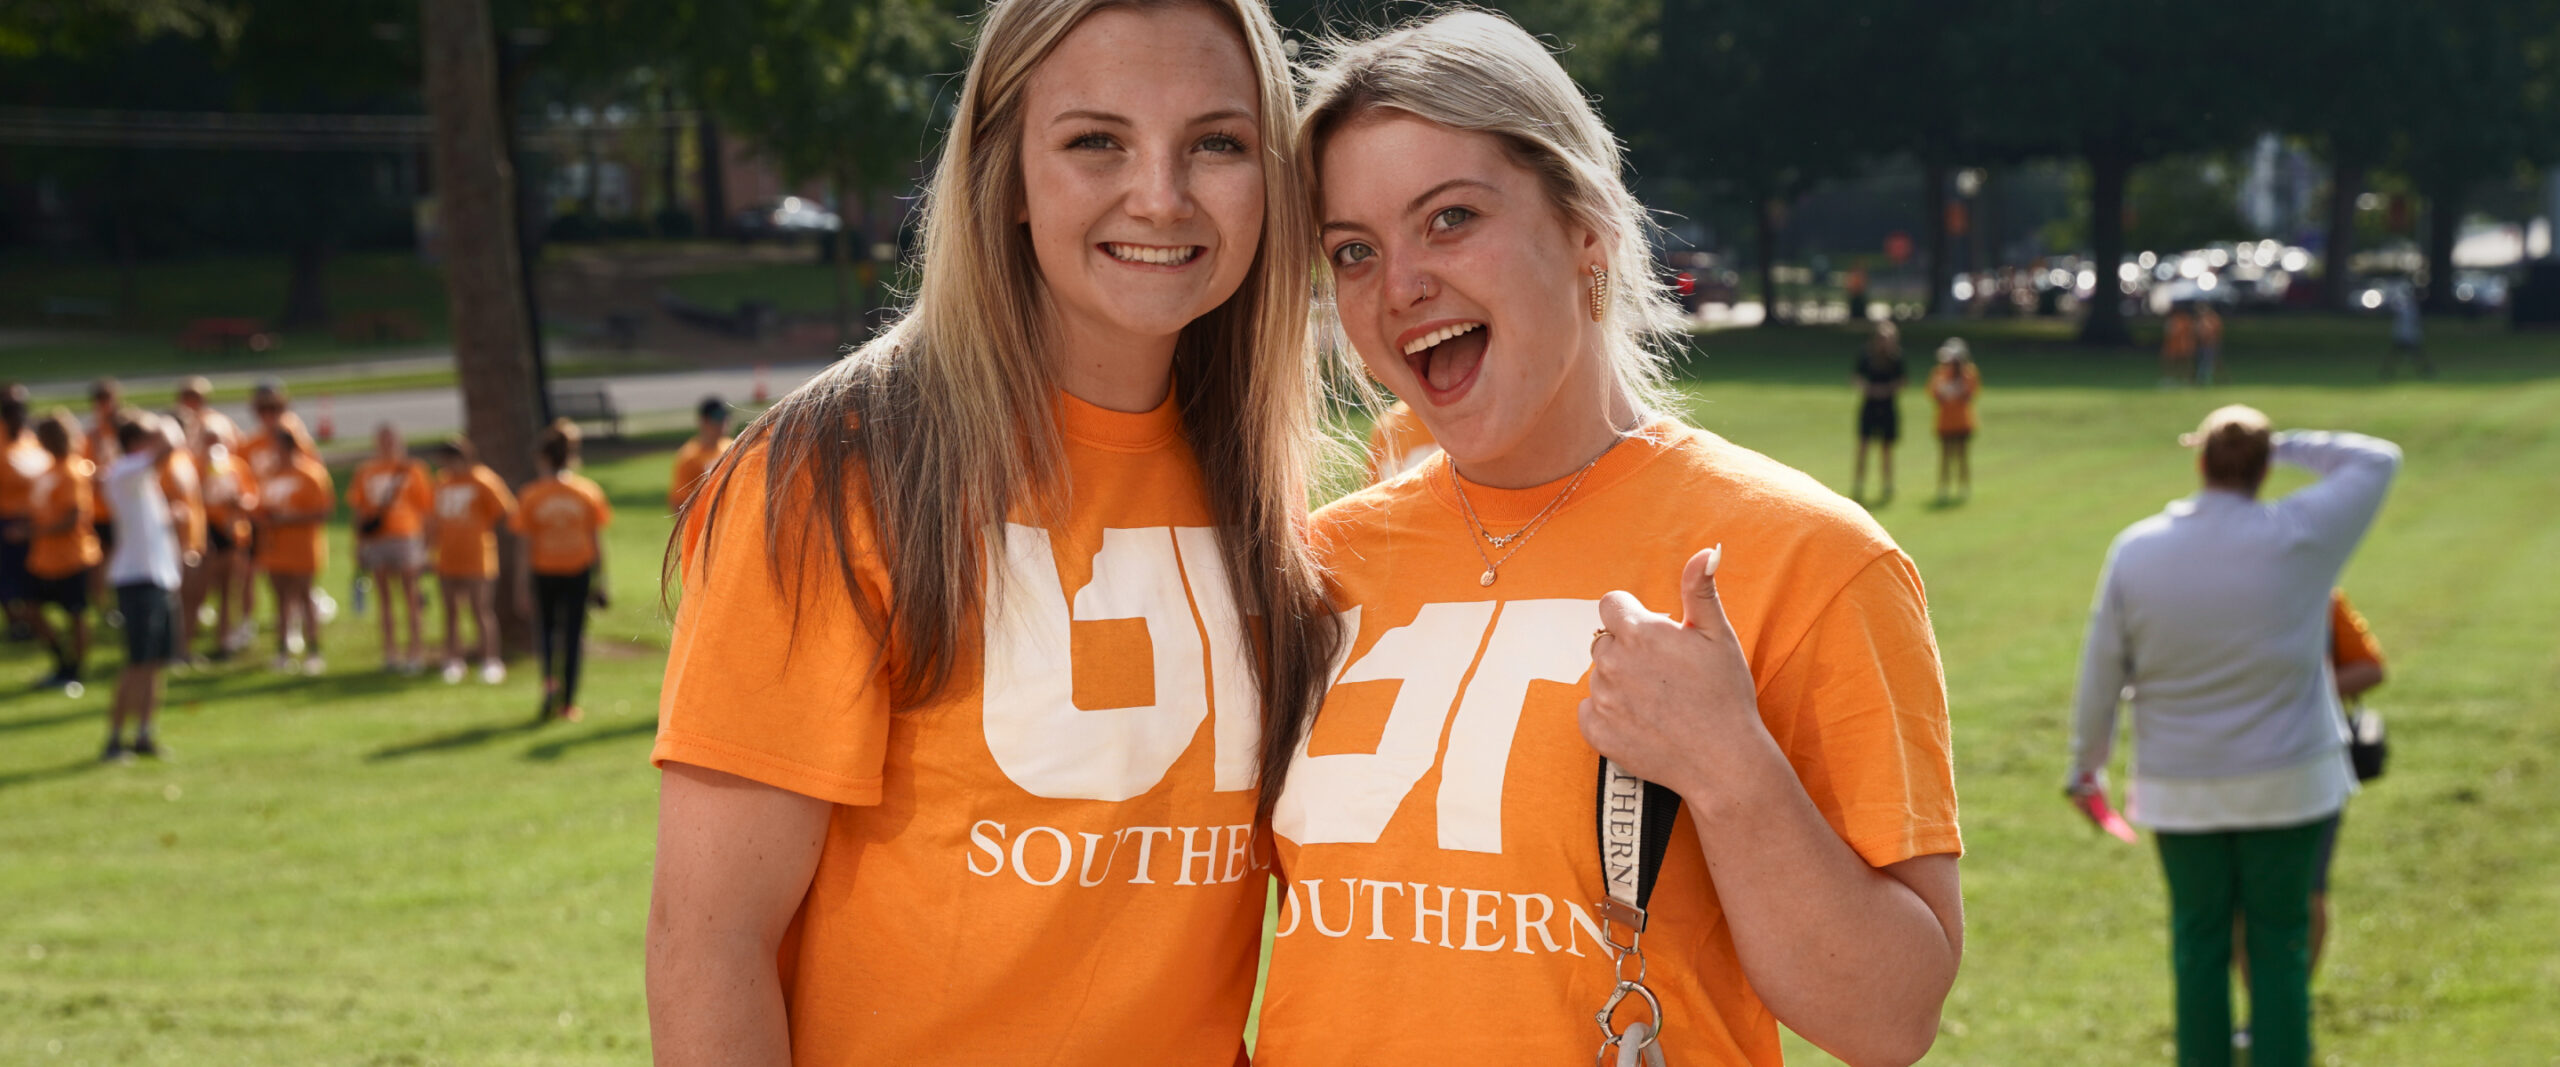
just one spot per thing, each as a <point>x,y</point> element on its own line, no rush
<point>380,488</point>
<point>1436,836</point>
<point>301,487</point>
<point>2178,336</point>
<point>230,493</point>
<point>1398,443</point>
<point>692,458</point>
<point>21,464</point>
<point>1954,391</point>
<point>469,508</point>
<point>258,443</point>
<point>1054,859</point>
<point>184,489</point>
<point>560,518</point>
<point>2350,640</point>
<point>69,490</point>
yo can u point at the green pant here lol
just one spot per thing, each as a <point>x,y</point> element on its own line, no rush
<point>2263,878</point>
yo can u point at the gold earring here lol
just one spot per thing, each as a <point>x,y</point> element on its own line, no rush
<point>1599,292</point>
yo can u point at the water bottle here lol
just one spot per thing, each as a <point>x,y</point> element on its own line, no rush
<point>359,593</point>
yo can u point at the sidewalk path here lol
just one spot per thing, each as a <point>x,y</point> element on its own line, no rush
<point>423,414</point>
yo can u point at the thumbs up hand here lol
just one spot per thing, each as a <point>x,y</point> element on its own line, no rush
<point>1665,692</point>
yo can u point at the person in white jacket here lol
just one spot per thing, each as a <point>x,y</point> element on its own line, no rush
<point>2212,614</point>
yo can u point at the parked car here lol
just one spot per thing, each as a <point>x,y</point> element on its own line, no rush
<point>789,217</point>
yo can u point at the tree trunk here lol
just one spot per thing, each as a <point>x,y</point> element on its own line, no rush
<point>715,188</point>
<point>591,158</point>
<point>2444,226</point>
<point>306,301</point>
<point>475,191</point>
<point>2346,183</point>
<point>2104,324</point>
<point>1765,238</point>
<point>1933,190</point>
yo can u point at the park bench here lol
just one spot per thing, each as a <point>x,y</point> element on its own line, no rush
<point>585,404</point>
<point>380,325</point>
<point>226,335</point>
<point>77,308</point>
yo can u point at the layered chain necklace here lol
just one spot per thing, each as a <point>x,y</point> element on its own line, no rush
<point>1514,541</point>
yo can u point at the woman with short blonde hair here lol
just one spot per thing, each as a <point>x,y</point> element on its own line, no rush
<point>983,630</point>
<point>1477,843</point>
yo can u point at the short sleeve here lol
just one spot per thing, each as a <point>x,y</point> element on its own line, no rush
<point>603,506</point>
<point>782,681</point>
<point>1860,708</point>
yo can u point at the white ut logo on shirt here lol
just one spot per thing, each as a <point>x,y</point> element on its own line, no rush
<point>1052,748</point>
<point>1348,797</point>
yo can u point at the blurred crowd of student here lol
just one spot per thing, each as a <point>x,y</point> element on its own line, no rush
<point>164,526</point>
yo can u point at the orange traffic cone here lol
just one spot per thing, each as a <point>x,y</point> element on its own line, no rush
<point>328,423</point>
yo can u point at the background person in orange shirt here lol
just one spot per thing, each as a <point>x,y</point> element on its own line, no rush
<point>64,554</point>
<point>872,787</point>
<point>98,444</point>
<point>562,516</point>
<point>2208,343</point>
<point>1953,386</point>
<point>2355,657</point>
<point>391,495</point>
<point>294,502</point>
<point>1488,265</point>
<point>230,492</point>
<point>22,461</point>
<point>1398,443</point>
<point>2178,346</point>
<point>471,502</point>
<point>182,490</point>
<point>710,439</point>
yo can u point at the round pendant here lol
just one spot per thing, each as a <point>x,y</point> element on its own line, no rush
<point>1488,577</point>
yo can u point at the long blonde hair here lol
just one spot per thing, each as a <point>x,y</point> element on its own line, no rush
<point>946,418</point>
<point>1479,71</point>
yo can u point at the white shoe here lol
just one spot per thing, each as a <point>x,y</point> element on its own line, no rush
<point>315,665</point>
<point>493,672</point>
<point>453,672</point>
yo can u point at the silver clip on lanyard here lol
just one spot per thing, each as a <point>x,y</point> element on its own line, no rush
<point>1636,818</point>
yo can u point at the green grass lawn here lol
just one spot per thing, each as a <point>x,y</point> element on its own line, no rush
<point>168,295</point>
<point>362,870</point>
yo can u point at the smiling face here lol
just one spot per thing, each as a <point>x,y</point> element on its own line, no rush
<point>1142,178</point>
<point>1467,292</point>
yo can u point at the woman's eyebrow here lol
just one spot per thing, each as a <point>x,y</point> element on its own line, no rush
<point>1089,115</point>
<point>1417,203</point>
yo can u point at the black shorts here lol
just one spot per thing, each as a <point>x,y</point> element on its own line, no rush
<point>217,537</point>
<point>106,532</point>
<point>1879,420</point>
<point>1955,437</point>
<point>150,623</point>
<point>15,583</point>
<point>69,592</point>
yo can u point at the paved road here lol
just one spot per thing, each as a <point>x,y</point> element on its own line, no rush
<point>421,414</point>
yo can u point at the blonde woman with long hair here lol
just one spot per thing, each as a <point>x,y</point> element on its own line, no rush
<point>1473,860</point>
<point>982,631</point>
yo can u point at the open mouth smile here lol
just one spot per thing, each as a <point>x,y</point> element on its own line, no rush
<point>1445,356</point>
